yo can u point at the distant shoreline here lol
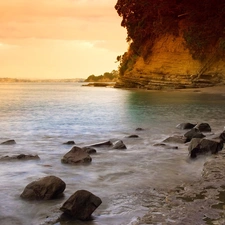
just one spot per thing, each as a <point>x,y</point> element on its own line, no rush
<point>15,80</point>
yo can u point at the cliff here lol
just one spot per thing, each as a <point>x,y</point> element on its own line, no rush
<point>172,43</point>
<point>171,65</point>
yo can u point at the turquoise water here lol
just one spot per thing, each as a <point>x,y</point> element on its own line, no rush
<point>42,116</point>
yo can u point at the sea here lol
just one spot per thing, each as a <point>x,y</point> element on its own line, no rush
<point>40,117</point>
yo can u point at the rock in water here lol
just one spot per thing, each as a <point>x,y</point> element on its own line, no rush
<point>9,142</point>
<point>193,133</point>
<point>46,188</point>
<point>119,145</point>
<point>199,146</point>
<point>19,157</point>
<point>185,126</point>
<point>203,127</point>
<point>69,143</point>
<point>81,205</point>
<point>76,155</point>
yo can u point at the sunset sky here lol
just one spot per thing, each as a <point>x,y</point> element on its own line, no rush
<point>59,38</point>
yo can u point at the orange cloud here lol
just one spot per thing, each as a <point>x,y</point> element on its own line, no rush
<point>59,38</point>
<point>58,19</point>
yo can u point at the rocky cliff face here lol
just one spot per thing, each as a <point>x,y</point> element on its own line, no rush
<point>171,65</point>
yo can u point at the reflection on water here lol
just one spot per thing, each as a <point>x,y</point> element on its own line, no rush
<point>41,117</point>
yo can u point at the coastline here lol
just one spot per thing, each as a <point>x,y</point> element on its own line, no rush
<point>218,89</point>
<point>200,202</point>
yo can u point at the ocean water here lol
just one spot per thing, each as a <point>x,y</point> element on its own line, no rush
<point>40,117</point>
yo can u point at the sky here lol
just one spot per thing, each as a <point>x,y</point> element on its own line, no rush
<point>59,39</point>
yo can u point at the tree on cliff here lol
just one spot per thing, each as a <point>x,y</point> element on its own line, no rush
<point>201,22</point>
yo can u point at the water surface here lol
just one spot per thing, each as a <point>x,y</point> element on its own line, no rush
<point>41,117</point>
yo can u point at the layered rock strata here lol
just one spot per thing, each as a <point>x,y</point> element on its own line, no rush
<point>171,65</point>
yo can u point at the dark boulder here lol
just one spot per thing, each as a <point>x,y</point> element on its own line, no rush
<point>203,127</point>
<point>185,126</point>
<point>76,155</point>
<point>9,142</point>
<point>46,188</point>
<point>19,157</point>
<point>199,146</point>
<point>133,136</point>
<point>193,133</point>
<point>89,150</point>
<point>165,146</point>
<point>81,205</point>
<point>139,129</point>
<point>222,136</point>
<point>69,143</point>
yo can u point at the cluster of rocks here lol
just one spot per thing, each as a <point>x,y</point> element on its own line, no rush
<point>83,203</point>
<point>80,205</point>
<point>199,143</point>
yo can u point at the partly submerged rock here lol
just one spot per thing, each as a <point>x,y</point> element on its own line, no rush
<point>185,126</point>
<point>81,205</point>
<point>46,188</point>
<point>90,150</point>
<point>193,133</point>
<point>101,144</point>
<point>19,157</point>
<point>119,145</point>
<point>9,142</point>
<point>199,146</point>
<point>69,143</point>
<point>176,139</point>
<point>133,136</point>
<point>76,155</point>
<point>203,127</point>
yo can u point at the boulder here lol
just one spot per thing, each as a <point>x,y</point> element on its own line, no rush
<point>200,146</point>
<point>119,145</point>
<point>203,127</point>
<point>176,139</point>
<point>81,205</point>
<point>76,155</point>
<point>139,129</point>
<point>165,146</point>
<point>185,126</point>
<point>101,144</point>
<point>133,136</point>
<point>9,142</point>
<point>193,133</point>
<point>19,157</point>
<point>69,143</point>
<point>222,136</point>
<point>89,150</point>
<point>46,188</point>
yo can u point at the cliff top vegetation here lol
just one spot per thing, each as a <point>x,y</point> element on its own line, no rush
<point>200,22</point>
